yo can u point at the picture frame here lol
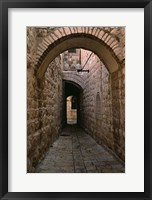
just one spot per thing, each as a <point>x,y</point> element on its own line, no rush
<point>4,97</point>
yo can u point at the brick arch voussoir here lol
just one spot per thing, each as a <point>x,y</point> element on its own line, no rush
<point>64,33</point>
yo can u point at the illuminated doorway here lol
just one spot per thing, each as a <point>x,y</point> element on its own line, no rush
<point>71,109</point>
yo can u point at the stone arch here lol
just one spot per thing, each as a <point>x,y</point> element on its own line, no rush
<point>95,39</point>
<point>77,85</point>
<point>73,77</point>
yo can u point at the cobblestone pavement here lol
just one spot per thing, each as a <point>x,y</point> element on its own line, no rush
<point>77,152</point>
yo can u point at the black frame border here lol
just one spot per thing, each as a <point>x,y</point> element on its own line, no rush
<point>4,6</point>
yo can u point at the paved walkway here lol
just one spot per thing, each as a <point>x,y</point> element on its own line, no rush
<point>76,152</point>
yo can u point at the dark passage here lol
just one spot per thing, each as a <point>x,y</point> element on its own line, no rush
<point>72,102</point>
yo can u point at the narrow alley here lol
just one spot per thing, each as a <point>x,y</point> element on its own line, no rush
<point>75,75</point>
<point>76,152</point>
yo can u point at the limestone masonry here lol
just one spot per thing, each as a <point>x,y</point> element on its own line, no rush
<point>55,57</point>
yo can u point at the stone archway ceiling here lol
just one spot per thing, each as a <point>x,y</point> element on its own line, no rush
<point>74,78</point>
<point>107,43</point>
<point>72,89</point>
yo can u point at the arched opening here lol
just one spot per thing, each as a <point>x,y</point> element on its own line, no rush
<point>71,110</point>
<point>72,102</point>
<point>83,41</point>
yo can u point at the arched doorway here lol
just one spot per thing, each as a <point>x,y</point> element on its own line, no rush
<point>71,110</point>
<point>73,93</point>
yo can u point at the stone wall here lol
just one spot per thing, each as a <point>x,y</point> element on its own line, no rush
<point>70,59</point>
<point>44,106</point>
<point>102,104</point>
<point>118,105</point>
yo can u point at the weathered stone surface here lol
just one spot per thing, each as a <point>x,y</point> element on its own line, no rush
<point>44,116</point>
<point>76,152</point>
<point>102,97</point>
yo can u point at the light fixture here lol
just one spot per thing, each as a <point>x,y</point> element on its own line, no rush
<point>79,68</point>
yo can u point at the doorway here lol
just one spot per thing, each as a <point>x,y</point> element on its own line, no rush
<point>71,109</point>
